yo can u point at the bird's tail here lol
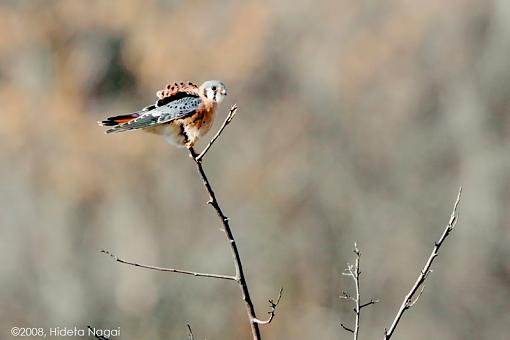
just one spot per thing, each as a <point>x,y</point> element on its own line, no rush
<point>117,120</point>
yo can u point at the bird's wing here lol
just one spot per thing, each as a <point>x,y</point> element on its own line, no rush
<point>180,107</point>
<point>175,89</point>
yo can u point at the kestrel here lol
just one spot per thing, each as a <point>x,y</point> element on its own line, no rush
<point>183,113</point>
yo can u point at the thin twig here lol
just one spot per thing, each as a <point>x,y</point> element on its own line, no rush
<point>230,116</point>
<point>371,302</point>
<point>346,328</point>
<point>408,300</point>
<point>190,333</point>
<point>354,272</point>
<point>162,269</point>
<point>272,312</point>
<point>97,336</point>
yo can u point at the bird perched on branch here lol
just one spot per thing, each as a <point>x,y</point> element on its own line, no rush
<point>183,113</point>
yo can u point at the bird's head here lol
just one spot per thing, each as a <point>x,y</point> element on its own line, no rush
<point>214,90</point>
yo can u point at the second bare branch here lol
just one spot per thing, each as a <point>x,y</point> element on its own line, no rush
<point>417,289</point>
<point>354,272</point>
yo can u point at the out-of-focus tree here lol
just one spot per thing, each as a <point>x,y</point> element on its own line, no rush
<point>356,117</point>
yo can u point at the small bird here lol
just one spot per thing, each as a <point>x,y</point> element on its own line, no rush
<point>182,114</point>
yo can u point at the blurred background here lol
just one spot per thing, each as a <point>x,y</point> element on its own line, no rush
<point>357,121</point>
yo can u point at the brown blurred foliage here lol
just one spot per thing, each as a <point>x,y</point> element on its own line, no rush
<point>358,120</point>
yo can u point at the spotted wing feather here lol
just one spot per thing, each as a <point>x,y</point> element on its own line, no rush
<point>154,115</point>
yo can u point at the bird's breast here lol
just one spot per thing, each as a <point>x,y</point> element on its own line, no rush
<point>199,123</point>
<point>186,130</point>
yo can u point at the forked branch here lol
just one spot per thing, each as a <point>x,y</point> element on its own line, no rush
<point>417,289</point>
<point>273,304</point>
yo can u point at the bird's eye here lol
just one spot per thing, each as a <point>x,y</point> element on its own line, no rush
<point>213,88</point>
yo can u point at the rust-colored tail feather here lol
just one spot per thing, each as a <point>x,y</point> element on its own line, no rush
<point>117,120</point>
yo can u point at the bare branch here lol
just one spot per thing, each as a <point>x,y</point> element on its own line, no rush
<point>162,269</point>
<point>230,116</point>
<point>408,300</point>
<point>272,312</point>
<point>354,272</point>
<point>240,277</point>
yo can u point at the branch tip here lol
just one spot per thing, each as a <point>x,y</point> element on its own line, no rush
<point>190,332</point>
<point>163,269</point>
<point>272,304</point>
<point>231,114</point>
<point>109,253</point>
